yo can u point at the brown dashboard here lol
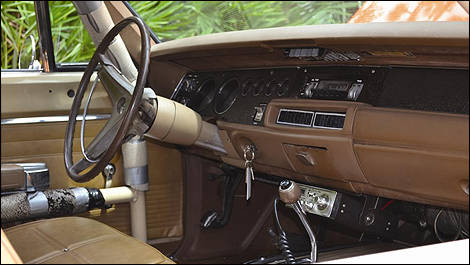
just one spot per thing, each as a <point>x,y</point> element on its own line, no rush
<point>391,153</point>
<point>394,101</point>
<point>393,140</point>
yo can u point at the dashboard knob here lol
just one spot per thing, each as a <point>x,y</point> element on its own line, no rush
<point>323,202</point>
<point>309,206</point>
<point>308,90</point>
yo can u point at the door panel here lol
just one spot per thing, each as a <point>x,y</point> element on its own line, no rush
<point>27,94</point>
<point>33,94</point>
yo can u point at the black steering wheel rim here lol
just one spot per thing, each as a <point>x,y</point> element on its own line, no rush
<point>130,113</point>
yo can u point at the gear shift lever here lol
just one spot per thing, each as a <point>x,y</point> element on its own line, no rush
<point>289,193</point>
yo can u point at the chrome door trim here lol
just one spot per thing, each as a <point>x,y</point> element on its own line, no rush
<point>47,119</point>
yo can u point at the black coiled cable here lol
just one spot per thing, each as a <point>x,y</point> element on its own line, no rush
<point>456,220</point>
<point>283,243</point>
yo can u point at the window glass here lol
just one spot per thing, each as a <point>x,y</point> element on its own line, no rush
<point>72,43</point>
<point>179,19</point>
<point>18,24</point>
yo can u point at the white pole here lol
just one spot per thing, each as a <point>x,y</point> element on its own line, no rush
<point>136,175</point>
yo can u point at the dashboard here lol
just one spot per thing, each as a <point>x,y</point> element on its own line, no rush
<point>389,131</point>
<point>242,96</point>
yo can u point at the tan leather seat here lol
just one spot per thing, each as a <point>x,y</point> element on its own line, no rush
<point>79,240</point>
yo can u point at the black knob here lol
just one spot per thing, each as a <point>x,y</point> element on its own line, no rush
<point>285,184</point>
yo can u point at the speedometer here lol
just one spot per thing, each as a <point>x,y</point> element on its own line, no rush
<point>226,96</point>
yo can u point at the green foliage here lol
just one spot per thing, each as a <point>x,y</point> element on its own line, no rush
<point>168,19</point>
<point>72,43</point>
<point>173,20</point>
<point>18,22</point>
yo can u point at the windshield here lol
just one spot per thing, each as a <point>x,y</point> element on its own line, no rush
<point>179,19</point>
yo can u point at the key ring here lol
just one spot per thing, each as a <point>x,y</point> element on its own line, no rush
<point>249,149</point>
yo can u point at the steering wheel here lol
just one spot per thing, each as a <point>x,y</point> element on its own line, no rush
<point>107,142</point>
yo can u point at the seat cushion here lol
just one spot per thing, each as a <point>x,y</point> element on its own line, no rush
<point>79,240</point>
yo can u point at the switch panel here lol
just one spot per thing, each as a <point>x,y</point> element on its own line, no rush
<point>317,200</point>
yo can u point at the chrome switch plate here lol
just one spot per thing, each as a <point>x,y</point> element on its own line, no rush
<point>317,200</point>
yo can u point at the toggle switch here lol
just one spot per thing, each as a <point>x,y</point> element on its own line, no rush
<point>259,112</point>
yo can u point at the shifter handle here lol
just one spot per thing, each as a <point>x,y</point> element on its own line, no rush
<point>289,192</point>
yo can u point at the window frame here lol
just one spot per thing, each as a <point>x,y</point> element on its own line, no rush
<point>43,21</point>
<point>134,13</point>
<point>46,45</point>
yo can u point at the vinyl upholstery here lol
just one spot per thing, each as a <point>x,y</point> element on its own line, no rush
<point>79,240</point>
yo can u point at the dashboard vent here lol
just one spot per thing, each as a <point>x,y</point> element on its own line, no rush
<point>329,120</point>
<point>295,117</point>
<point>324,120</point>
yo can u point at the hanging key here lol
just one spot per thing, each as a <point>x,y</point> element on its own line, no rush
<point>249,155</point>
<point>108,173</point>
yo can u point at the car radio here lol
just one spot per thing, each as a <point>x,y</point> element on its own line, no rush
<point>332,89</point>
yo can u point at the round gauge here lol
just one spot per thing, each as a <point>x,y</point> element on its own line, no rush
<point>283,88</point>
<point>271,88</point>
<point>258,88</point>
<point>204,95</point>
<point>226,96</point>
<point>247,86</point>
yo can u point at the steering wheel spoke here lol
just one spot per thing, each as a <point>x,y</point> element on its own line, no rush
<point>81,165</point>
<point>114,82</point>
<point>104,138</point>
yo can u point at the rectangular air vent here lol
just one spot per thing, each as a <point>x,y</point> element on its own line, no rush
<point>295,117</point>
<point>324,120</point>
<point>329,120</point>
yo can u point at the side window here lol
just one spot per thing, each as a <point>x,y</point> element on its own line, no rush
<point>19,35</point>
<point>72,43</point>
<point>20,40</point>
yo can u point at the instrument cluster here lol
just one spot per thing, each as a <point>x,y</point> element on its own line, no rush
<point>235,96</point>
<point>241,96</point>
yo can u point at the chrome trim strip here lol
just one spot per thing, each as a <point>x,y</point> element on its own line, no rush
<point>331,113</point>
<point>47,119</point>
<point>219,92</point>
<point>176,90</point>
<point>32,167</point>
